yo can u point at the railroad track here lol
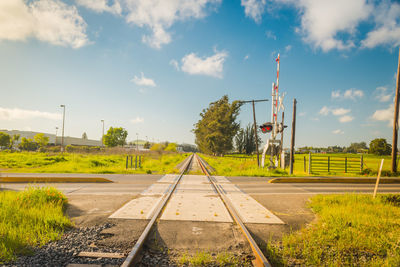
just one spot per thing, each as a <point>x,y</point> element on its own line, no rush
<point>134,256</point>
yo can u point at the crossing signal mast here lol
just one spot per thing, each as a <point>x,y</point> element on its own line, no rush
<point>273,145</point>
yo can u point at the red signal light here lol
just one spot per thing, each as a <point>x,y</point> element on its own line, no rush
<point>266,127</point>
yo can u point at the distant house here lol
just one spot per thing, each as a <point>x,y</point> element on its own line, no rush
<point>55,140</point>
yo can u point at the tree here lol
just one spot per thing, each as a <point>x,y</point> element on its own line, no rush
<point>239,141</point>
<point>115,137</point>
<point>14,139</point>
<point>245,141</point>
<point>355,147</point>
<point>41,139</point>
<point>5,140</point>
<point>215,130</point>
<point>84,136</point>
<point>146,145</point>
<point>379,146</point>
<point>28,144</point>
<point>171,147</point>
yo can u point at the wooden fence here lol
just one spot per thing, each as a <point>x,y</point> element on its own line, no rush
<point>330,163</point>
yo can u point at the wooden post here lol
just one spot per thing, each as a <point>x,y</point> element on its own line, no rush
<point>292,138</point>
<point>140,162</point>
<point>135,162</point>
<point>309,163</point>
<point>127,162</point>
<point>256,135</point>
<point>345,164</point>
<point>329,163</point>
<point>361,163</point>
<point>131,161</point>
<point>304,163</point>
<point>377,180</point>
<point>396,119</point>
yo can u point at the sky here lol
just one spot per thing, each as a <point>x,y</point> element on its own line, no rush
<point>151,66</point>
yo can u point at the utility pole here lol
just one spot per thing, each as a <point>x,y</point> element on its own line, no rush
<point>396,120</point>
<point>292,139</point>
<point>255,134</point>
<point>62,137</point>
<point>102,137</point>
<point>255,124</point>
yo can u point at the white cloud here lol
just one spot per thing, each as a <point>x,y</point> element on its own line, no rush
<point>387,31</point>
<point>288,48</point>
<point>143,81</point>
<point>137,120</point>
<point>324,110</point>
<point>335,94</point>
<point>301,114</point>
<point>254,9</point>
<point>246,57</point>
<point>338,131</point>
<point>211,66</point>
<point>159,15</point>
<point>49,21</point>
<point>346,118</point>
<point>270,35</point>
<point>382,95</point>
<point>340,111</point>
<point>384,115</point>
<point>20,114</point>
<point>174,63</point>
<point>323,20</point>
<point>352,94</point>
<point>101,6</point>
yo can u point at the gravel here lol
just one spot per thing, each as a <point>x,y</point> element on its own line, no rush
<point>66,250</point>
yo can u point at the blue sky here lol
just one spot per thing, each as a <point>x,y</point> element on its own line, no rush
<point>151,66</point>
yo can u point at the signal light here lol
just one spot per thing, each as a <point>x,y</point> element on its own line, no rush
<point>266,127</point>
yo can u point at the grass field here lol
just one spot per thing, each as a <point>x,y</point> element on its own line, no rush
<point>350,230</point>
<point>243,165</point>
<point>30,218</point>
<point>36,162</point>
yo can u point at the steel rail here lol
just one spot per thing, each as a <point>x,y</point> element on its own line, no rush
<point>133,255</point>
<point>260,260</point>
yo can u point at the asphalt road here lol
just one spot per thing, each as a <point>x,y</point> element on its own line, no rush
<point>134,184</point>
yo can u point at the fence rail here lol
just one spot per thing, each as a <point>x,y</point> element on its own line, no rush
<point>318,164</point>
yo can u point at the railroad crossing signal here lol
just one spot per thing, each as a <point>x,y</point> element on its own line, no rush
<point>266,127</point>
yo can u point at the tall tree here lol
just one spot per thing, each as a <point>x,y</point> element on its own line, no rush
<point>41,139</point>
<point>115,137</point>
<point>28,144</point>
<point>84,136</point>
<point>5,140</point>
<point>379,146</point>
<point>240,140</point>
<point>215,130</point>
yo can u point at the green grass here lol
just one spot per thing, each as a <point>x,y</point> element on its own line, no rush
<point>36,162</point>
<point>30,218</point>
<point>244,165</point>
<point>350,230</point>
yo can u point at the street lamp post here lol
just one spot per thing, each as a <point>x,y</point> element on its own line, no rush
<point>55,142</point>
<point>102,137</point>
<point>62,137</point>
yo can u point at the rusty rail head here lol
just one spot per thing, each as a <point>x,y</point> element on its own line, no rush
<point>133,255</point>
<point>260,260</point>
